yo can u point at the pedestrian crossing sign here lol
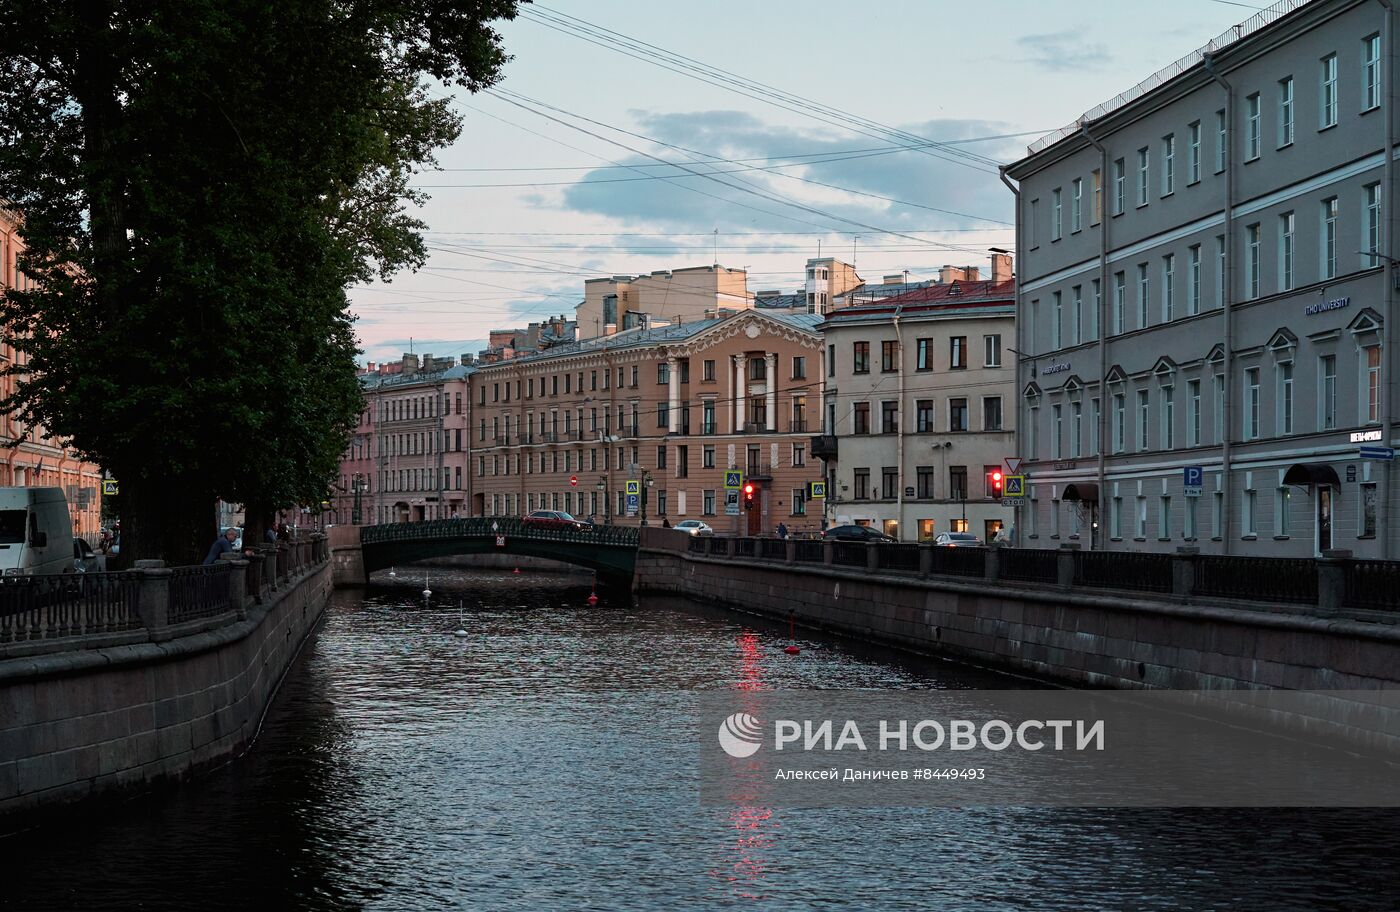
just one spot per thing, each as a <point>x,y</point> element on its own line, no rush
<point>816,489</point>
<point>733,480</point>
<point>634,486</point>
<point>1014,486</point>
<point>109,487</point>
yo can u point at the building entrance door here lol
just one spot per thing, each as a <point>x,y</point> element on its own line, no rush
<point>1324,518</point>
<point>755,516</point>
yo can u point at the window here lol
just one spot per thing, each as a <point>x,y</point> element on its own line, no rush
<point>957,353</point>
<point>923,359</point>
<point>1327,112</point>
<point>1168,286</point>
<point>923,412</point>
<point>889,357</point>
<point>1119,419</point>
<point>992,350</point>
<point>758,368</point>
<point>1251,261</point>
<point>663,414</point>
<point>1251,403</point>
<point>708,508</point>
<point>924,477</point>
<point>860,357</point>
<point>1193,392</point>
<point>1168,417</point>
<point>1169,164</point>
<point>1217,404</point>
<point>1252,127</point>
<point>1285,111</point>
<point>799,502</point>
<point>889,417</point>
<point>991,413</point>
<point>1141,517</point>
<point>1327,392</point>
<point>1285,251</point>
<point>1096,207</point>
<point>860,484</point>
<point>1193,154</point>
<point>957,414</point>
<point>1251,513</point>
<point>1193,280</point>
<point>1031,221</point>
<point>1055,214</point>
<point>1285,397</point>
<point>1368,511</point>
<point>1076,214</point>
<point>1095,416</point>
<point>1328,239</point>
<point>1220,132</point>
<point>1371,226</point>
<point>1076,315</point>
<point>1143,429</point>
<point>1094,310</point>
<point>707,457</point>
<point>1142,176</point>
<point>799,455</point>
<point>889,483</point>
<point>1373,383</point>
<point>1056,340</point>
<point>1120,184</point>
<point>1115,519</point>
<point>1143,291</point>
<point>1370,72</point>
<point>707,416</point>
<point>1057,432</point>
<point>1164,518</point>
<point>661,456</point>
<point>1076,428</point>
<point>1119,292</point>
<point>957,482</point>
<point>707,371</point>
<point>860,414</point>
<point>799,367</point>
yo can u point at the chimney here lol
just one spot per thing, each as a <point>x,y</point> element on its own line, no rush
<point>466,360</point>
<point>428,365</point>
<point>896,279</point>
<point>410,364</point>
<point>958,274</point>
<point>1001,267</point>
<point>370,367</point>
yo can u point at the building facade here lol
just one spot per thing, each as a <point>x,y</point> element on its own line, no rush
<point>38,460</point>
<point>671,408</point>
<point>918,410</point>
<point>1207,277</point>
<point>620,303</point>
<point>408,457</point>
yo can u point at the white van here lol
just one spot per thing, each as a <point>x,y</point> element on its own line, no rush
<point>36,532</point>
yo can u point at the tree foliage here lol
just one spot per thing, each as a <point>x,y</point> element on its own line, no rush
<point>199,182</point>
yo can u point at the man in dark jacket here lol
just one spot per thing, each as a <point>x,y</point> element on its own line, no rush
<point>222,545</point>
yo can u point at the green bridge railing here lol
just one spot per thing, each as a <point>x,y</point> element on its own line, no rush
<point>490,526</point>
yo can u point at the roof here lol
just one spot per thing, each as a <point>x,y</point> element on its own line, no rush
<point>782,301</point>
<point>381,381</point>
<point>953,299</point>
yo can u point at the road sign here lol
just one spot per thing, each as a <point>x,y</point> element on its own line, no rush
<point>816,489</point>
<point>634,487</point>
<point>573,481</point>
<point>1193,478</point>
<point>1013,465</point>
<point>1351,473</point>
<point>634,503</point>
<point>1013,501</point>
<point>109,487</point>
<point>733,480</point>
<point>731,503</point>
<point>1013,486</point>
<point>500,541</point>
<point>1375,452</point>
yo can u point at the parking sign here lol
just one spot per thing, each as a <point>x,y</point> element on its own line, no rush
<point>1192,480</point>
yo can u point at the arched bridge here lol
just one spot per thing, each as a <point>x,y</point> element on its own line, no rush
<point>608,550</point>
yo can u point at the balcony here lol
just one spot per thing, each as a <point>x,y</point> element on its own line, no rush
<point>757,427</point>
<point>759,471</point>
<point>824,447</point>
<point>797,426</point>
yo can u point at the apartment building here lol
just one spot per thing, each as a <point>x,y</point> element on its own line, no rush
<point>407,459</point>
<point>619,303</point>
<point>918,409</point>
<point>1206,275</point>
<point>669,407</point>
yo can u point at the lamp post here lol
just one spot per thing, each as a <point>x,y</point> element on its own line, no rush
<point>647,482</point>
<point>357,485</point>
<point>607,507</point>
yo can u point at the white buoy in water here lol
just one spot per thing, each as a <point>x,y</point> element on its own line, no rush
<point>461,628</point>
<point>392,574</point>
<point>427,593</point>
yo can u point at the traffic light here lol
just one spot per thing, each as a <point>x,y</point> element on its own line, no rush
<point>994,483</point>
<point>748,496</point>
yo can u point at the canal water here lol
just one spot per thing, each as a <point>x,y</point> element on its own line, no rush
<point>546,760</point>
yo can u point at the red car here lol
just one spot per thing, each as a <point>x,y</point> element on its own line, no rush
<point>554,519</point>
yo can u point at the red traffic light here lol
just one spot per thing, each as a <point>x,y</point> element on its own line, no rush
<point>996,477</point>
<point>748,490</point>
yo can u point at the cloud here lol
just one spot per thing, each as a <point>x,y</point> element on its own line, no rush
<point>1063,51</point>
<point>778,200</point>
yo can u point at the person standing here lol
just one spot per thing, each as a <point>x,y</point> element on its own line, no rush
<point>222,545</point>
<point>782,530</point>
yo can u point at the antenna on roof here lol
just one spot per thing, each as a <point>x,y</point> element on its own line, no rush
<point>716,248</point>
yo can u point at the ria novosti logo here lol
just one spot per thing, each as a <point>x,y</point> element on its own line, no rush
<point>741,735</point>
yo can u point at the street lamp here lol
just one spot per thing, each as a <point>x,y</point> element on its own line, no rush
<point>357,485</point>
<point>607,507</point>
<point>647,482</point>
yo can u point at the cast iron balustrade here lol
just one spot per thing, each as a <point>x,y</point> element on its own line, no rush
<point>772,548</point>
<point>903,556</point>
<point>74,604</point>
<point>1257,579</point>
<point>1123,570</point>
<point>809,551</point>
<point>959,561</point>
<point>1373,585</point>
<point>848,554</point>
<point>202,592</point>
<point>1028,565</point>
<point>482,527</point>
<point>744,547</point>
<point>697,545</point>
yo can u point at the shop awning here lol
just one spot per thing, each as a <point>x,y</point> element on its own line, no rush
<point>1311,473</point>
<point>1082,492</point>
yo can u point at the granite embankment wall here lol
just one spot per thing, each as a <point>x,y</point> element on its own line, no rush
<point>1075,635</point>
<point>83,722</point>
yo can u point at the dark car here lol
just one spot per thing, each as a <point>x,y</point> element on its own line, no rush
<point>554,519</point>
<point>857,533</point>
<point>85,560</point>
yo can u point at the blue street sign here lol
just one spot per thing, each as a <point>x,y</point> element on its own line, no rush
<point>1377,452</point>
<point>1193,476</point>
<point>634,503</point>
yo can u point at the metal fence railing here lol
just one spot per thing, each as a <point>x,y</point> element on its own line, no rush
<point>1029,565</point>
<point>71,605</point>
<point>1257,579</point>
<point>1123,570</point>
<point>1372,584</point>
<point>958,561</point>
<point>197,593</point>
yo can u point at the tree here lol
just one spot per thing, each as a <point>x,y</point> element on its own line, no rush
<point>199,183</point>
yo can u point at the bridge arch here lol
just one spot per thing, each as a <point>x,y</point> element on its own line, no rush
<point>607,550</point>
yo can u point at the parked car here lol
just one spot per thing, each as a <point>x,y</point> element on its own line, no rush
<point>34,524</point>
<point>86,560</point>
<point>693,527</point>
<point>554,519</point>
<point>857,533</point>
<point>957,540</point>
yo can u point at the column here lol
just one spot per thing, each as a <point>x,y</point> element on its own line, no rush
<point>741,393</point>
<point>673,414</point>
<point>771,361</point>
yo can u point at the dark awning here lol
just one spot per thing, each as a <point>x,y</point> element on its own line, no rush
<point>1082,491</point>
<point>1311,473</point>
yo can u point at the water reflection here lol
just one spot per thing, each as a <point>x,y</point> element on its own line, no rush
<point>547,761</point>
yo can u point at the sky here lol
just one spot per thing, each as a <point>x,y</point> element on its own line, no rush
<point>869,132</point>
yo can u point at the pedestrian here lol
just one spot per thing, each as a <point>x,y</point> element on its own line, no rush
<point>782,530</point>
<point>665,522</point>
<point>222,545</point>
<point>270,536</point>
